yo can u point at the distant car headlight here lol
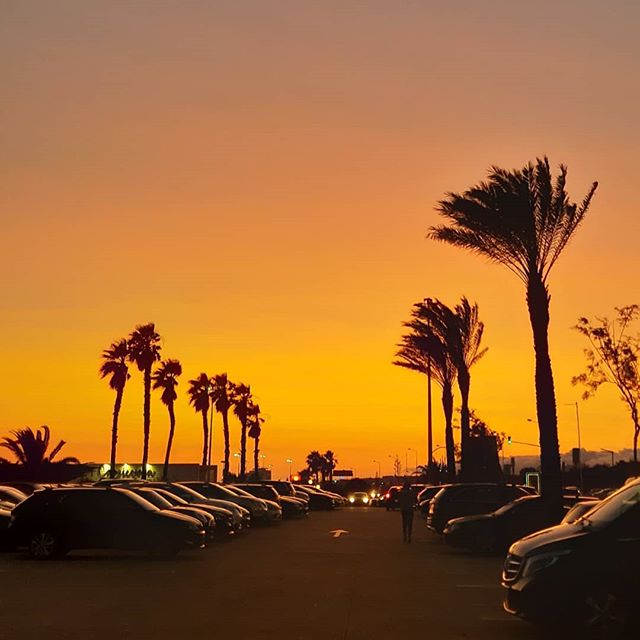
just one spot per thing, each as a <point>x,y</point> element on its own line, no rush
<point>352,499</point>
<point>542,561</point>
<point>365,500</point>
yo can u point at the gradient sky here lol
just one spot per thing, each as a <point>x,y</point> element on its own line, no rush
<point>258,177</point>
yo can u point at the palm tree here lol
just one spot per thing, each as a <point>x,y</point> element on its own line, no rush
<point>241,399</point>
<point>329,464</point>
<point>314,463</point>
<point>523,219</point>
<point>114,365</point>
<point>144,350</point>
<point>166,378</point>
<point>30,449</point>
<point>220,397</point>
<point>199,395</point>
<point>421,350</point>
<point>255,422</point>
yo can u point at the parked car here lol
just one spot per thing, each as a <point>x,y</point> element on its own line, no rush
<point>466,499</point>
<point>359,499</point>
<point>318,501</point>
<point>242,516</point>
<point>423,499</point>
<point>52,522</point>
<point>227,522</point>
<point>392,496</point>
<point>291,507</point>
<point>496,531</point>
<point>5,540</point>
<point>206,519</point>
<point>586,573</point>
<point>579,509</point>
<point>11,495</point>
<point>256,507</point>
<point>274,510</point>
<point>22,485</point>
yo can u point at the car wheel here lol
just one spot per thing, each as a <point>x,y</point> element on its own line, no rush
<point>605,615</point>
<point>45,545</point>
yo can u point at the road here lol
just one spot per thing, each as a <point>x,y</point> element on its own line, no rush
<point>295,581</point>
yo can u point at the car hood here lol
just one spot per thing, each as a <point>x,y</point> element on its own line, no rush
<point>479,519</point>
<point>173,515</point>
<point>565,535</point>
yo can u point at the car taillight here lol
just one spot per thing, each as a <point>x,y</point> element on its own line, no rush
<point>387,495</point>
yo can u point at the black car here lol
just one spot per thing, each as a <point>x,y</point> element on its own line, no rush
<point>5,519</point>
<point>494,532</point>
<point>51,522</point>
<point>11,495</point>
<point>318,501</point>
<point>255,506</point>
<point>466,499</point>
<point>586,573</point>
<point>423,499</point>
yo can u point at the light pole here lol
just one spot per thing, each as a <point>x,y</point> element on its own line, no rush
<point>416,455</point>
<point>575,404</point>
<point>208,470</point>
<point>379,469</point>
<point>237,455</point>
<point>611,452</point>
<point>290,461</point>
<point>425,303</point>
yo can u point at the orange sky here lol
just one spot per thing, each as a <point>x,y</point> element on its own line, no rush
<point>258,178</point>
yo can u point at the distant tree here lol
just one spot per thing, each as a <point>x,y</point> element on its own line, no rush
<point>30,449</point>
<point>523,219</point>
<point>221,390</point>
<point>328,465</point>
<point>613,358</point>
<point>114,366</point>
<point>241,400</point>
<point>315,464</point>
<point>166,378</point>
<point>199,397</point>
<point>144,351</point>
<point>254,423</point>
<point>479,428</point>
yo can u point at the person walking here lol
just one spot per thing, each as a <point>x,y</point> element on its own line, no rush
<point>406,500</point>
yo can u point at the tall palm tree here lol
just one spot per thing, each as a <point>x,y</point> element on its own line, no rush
<point>220,397</point>
<point>165,377</point>
<point>523,219</point>
<point>255,422</point>
<point>241,399</point>
<point>421,350</point>
<point>314,463</point>
<point>329,464</point>
<point>30,449</point>
<point>144,350</point>
<point>114,366</point>
<point>199,397</point>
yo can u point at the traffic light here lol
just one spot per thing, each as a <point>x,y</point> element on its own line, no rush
<point>508,439</point>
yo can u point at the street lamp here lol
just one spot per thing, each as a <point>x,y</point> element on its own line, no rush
<point>425,303</point>
<point>416,455</point>
<point>290,461</point>
<point>569,404</point>
<point>237,455</point>
<point>611,452</point>
<point>379,469</point>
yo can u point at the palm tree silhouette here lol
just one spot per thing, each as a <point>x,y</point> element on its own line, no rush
<point>30,449</point>
<point>241,399</point>
<point>165,377</point>
<point>329,464</point>
<point>199,397</point>
<point>254,423</point>
<point>314,462</point>
<point>221,390</point>
<point>523,219</point>
<point>414,352</point>
<point>114,366</point>
<point>144,350</point>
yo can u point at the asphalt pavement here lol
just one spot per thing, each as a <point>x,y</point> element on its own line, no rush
<point>296,581</point>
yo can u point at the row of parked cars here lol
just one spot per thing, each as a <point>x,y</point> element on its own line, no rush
<point>161,518</point>
<point>578,566</point>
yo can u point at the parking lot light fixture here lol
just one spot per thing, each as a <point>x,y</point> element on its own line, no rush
<point>290,461</point>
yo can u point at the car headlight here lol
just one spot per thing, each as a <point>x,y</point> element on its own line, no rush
<point>352,499</point>
<point>542,561</point>
<point>365,500</point>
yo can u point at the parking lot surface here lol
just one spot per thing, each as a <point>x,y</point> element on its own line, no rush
<point>298,581</point>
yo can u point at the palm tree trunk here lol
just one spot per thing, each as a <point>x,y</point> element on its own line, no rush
<point>464,384</point>
<point>243,448</point>
<point>114,432</point>
<point>147,420</point>
<point>172,426</point>
<point>538,304</point>
<point>636,432</point>
<point>225,430</point>
<point>256,466</point>
<point>205,441</point>
<point>447,407</point>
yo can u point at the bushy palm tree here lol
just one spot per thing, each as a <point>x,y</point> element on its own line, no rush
<point>329,464</point>
<point>199,398</point>
<point>30,449</point>
<point>422,351</point>
<point>114,366</point>
<point>165,377</point>
<point>315,463</point>
<point>241,399</point>
<point>523,219</point>
<point>221,398</point>
<point>254,423</point>
<point>144,351</point>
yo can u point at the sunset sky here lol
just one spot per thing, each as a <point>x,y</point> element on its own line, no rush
<point>258,178</point>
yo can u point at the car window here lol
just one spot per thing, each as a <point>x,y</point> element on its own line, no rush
<point>616,505</point>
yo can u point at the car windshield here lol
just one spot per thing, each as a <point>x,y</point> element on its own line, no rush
<point>510,506</point>
<point>614,506</point>
<point>141,502</point>
<point>171,498</point>
<point>241,492</point>
<point>226,490</point>
<point>155,499</point>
